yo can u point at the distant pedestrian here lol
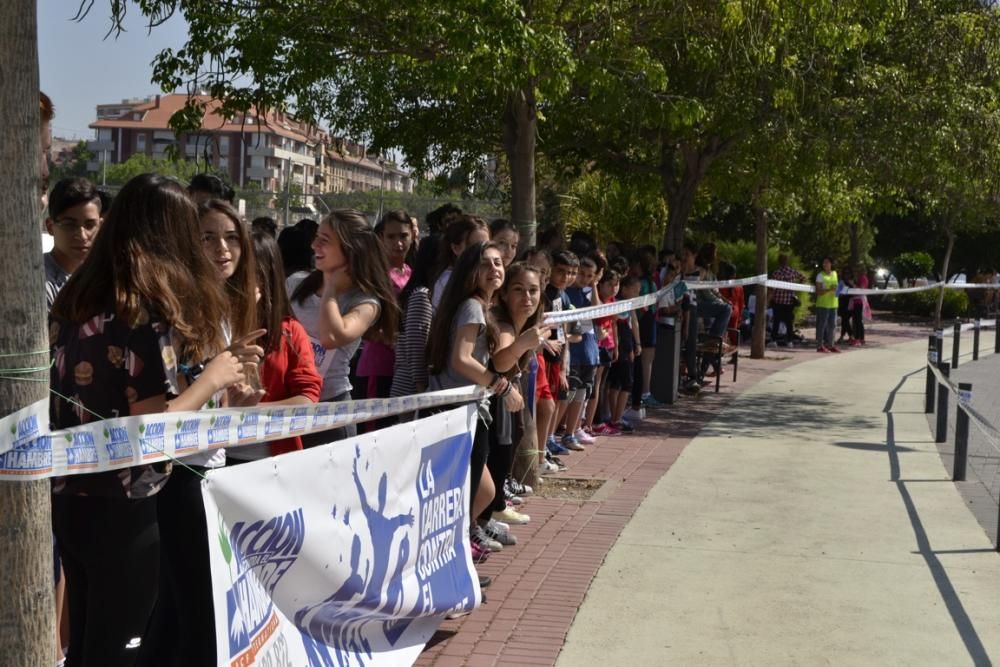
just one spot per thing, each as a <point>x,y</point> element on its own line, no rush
<point>860,310</point>
<point>826,307</point>
<point>784,302</point>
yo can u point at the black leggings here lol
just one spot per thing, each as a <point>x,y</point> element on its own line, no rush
<point>858,320</point>
<point>110,554</point>
<point>182,629</point>
<point>500,461</point>
<point>480,453</point>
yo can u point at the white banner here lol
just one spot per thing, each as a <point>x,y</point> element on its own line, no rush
<point>29,450</point>
<point>346,554</point>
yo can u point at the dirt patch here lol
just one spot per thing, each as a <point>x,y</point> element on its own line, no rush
<point>568,488</point>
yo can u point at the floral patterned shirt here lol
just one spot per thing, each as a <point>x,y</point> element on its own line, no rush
<point>105,364</point>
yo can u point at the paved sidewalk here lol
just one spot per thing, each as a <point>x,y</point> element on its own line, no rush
<point>811,522</point>
<point>539,584</point>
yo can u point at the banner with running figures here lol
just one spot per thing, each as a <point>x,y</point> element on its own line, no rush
<point>347,554</point>
<point>30,450</point>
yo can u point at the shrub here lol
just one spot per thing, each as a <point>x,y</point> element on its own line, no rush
<point>923,304</point>
<point>911,265</point>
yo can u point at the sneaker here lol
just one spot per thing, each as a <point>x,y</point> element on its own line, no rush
<point>556,460</point>
<point>554,447</point>
<point>583,437</point>
<point>691,385</point>
<point>547,468</point>
<point>485,581</point>
<point>494,531</point>
<point>570,443</point>
<point>479,554</point>
<point>512,516</point>
<point>624,427</point>
<point>511,498</point>
<point>633,415</point>
<point>609,429</point>
<point>478,536</point>
<point>835,349</point>
<point>518,488</point>
<point>650,401</point>
<point>822,349</point>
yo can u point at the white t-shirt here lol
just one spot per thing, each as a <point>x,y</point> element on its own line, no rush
<point>439,286</point>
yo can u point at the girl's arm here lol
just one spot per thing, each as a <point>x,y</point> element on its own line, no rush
<point>510,348</point>
<point>337,329</point>
<point>462,360</point>
<point>222,372</point>
<point>302,382</point>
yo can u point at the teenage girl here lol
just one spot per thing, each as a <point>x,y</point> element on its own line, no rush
<point>410,372</point>
<point>288,375</point>
<point>377,359</point>
<point>518,314</point>
<point>348,296</point>
<point>144,305</point>
<point>504,234</point>
<point>545,394</point>
<point>463,335</point>
<point>463,231</point>
<point>182,625</point>
<point>607,288</point>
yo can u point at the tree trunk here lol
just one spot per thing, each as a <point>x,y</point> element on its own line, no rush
<point>519,133</point>
<point>944,276</point>
<point>27,630</point>
<point>855,251</point>
<point>759,341</point>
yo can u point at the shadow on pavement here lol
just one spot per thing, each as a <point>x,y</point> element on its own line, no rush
<point>963,624</point>
<point>748,418</point>
<point>871,446</point>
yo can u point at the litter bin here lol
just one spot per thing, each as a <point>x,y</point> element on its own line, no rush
<point>665,382</point>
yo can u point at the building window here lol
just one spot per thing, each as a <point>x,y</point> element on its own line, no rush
<point>224,145</point>
<point>140,142</point>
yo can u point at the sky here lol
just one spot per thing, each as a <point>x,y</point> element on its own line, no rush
<point>80,68</point>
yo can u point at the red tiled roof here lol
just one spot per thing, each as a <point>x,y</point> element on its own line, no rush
<point>156,116</point>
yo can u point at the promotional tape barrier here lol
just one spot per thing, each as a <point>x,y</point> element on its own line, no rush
<point>29,450</point>
<point>964,403</point>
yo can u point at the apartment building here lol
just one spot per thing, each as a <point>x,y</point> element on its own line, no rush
<point>270,151</point>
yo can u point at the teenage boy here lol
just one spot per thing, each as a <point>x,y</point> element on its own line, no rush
<point>583,355</point>
<point>74,216</point>
<point>564,268</point>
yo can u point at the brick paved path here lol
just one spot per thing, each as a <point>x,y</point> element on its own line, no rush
<point>539,584</point>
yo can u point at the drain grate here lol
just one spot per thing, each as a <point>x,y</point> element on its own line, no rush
<point>568,488</point>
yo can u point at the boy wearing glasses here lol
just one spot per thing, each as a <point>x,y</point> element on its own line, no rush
<point>74,216</point>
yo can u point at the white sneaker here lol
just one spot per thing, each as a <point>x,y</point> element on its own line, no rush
<point>633,415</point>
<point>547,468</point>
<point>512,517</point>
<point>584,437</point>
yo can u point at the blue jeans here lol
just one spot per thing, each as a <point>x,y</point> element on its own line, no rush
<point>826,324</point>
<point>718,313</point>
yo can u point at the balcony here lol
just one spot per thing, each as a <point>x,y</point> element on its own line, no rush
<point>96,146</point>
<point>281,154</point>
<point>263,172</point>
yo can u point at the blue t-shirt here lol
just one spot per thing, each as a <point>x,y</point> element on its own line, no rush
<point>583,353</point>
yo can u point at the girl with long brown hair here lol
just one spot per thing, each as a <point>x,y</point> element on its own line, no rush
<point>347,297</point>
<point>463,336</point>
<point>143,307</point>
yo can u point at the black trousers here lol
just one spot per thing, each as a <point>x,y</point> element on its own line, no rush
<point>500,460</point>
<point>858,320</point>
<point>784,313</point>
<point>110,554</point>
<point>181,631</point>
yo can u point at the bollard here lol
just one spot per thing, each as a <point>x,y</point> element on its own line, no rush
<point>941,432</point>
<point>932,359</point>
<point>975,339</point>
<point>955,342</point>
<point>939,336</point>
<point>961,432</point>
<point>996,337</point>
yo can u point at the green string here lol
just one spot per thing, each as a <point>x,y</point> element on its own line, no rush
<point>25,354</point>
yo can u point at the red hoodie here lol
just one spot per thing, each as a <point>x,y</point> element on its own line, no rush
<point>290,371</point>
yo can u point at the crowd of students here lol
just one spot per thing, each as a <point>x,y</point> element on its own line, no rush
<point>165,299</point>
